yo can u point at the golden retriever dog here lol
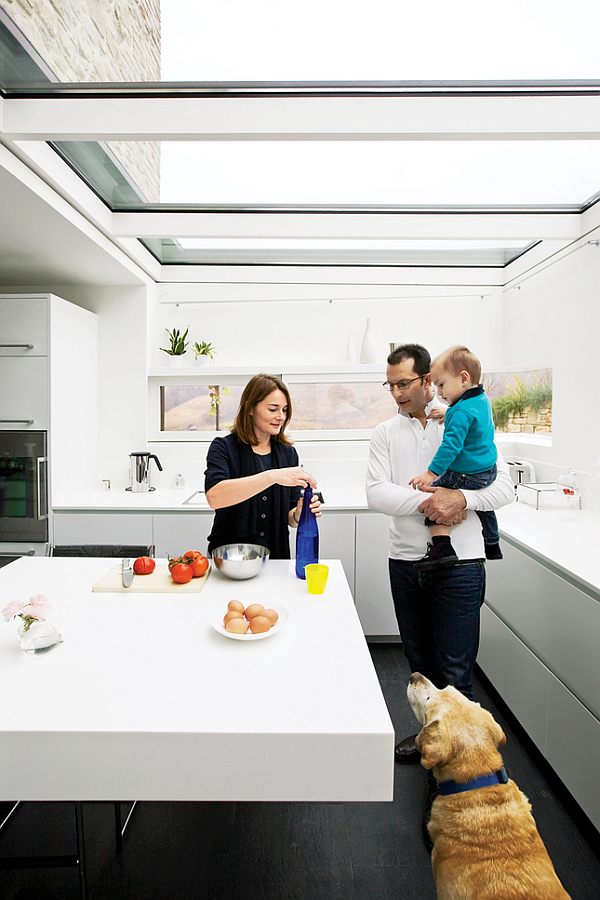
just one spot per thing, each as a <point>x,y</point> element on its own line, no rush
<point>485,842</point>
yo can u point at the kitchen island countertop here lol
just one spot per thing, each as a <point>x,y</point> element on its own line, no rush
<point>144,699</point>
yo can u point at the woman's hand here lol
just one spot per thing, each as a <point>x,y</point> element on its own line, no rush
<point>315,505</point>
<point>293,476</point>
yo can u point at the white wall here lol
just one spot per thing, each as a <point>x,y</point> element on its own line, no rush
<point>268,335</point>
<point>265,334</point>
<point>554,320</point>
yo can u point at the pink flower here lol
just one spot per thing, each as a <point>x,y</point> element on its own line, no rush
<point>12,609</point>
<point>38,601</point>
<point>38,607</point>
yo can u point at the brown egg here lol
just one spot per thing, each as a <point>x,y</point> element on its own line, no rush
<point>237,626</point>
<point>232,614</point>
<point>236,606</point>
<point>259,624</point>
<point>254,609</point>
<point>271,615</point>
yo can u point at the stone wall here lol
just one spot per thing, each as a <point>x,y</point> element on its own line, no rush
<point>531,422</point>
<point>100,41</point>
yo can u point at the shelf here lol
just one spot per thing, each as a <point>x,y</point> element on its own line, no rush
<point>206,373</point>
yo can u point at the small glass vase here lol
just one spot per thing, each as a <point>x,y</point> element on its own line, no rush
<point>39,637</point>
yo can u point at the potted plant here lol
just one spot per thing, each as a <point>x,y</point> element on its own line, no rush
<point>203,352</point>
<point>178,346</point>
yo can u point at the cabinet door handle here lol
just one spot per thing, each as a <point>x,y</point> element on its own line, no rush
<point>16,421</point>
<point>22,346</point>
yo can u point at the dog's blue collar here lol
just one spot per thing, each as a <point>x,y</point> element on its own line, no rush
<point>453,787</point>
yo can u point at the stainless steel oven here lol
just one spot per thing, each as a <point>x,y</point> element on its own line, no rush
<point>23,486</point>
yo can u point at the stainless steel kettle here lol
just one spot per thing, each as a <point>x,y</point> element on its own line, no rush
<point>140,471</point>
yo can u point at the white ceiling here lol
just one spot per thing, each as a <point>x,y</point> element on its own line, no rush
<point>39,246</point>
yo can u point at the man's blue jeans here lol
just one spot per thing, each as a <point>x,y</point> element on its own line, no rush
<point>438,618</point>
<point>458,481</point>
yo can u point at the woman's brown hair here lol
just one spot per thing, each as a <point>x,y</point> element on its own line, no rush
<point>259,387</point>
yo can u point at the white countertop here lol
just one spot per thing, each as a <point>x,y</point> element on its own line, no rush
<point>166,500</point>
<point>144,699</point>
<point>567,539</point>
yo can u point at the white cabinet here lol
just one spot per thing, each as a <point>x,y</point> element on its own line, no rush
<point>52,379</point>
<point>556,620</point>
<point>23,326</point>
<point>539,648</point>
<point>102,528</point>
<point>175,533</point>
<point>572,747</point>
<point>24,398</point>
<point>372,595</point>
<point>336,540</point>
<point>518,675</point>
<point>24,374</point>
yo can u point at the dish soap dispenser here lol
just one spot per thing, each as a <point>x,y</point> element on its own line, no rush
<point>307,536</point>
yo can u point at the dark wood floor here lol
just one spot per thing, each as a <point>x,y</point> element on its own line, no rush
<point>290,851</point>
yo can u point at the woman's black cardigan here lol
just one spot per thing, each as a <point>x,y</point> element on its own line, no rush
<point>228,457</point>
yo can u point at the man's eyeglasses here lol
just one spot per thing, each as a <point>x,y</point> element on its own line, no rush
<point>402,385</point>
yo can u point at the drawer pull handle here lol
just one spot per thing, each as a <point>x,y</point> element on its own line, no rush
<point>22,346</point>
<point>16,421</point>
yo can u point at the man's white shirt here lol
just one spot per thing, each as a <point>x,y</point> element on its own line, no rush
<point>400,448</point>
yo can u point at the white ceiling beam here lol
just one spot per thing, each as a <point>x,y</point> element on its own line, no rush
<point>304,118</point>
<point>340,226</point>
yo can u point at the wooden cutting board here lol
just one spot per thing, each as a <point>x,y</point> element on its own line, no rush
<point>158,582</point>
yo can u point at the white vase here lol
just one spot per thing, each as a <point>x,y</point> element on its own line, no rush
<point>39,637</point>
<point>368,351</point>
<point>350,351</point>
<point>176,360</point>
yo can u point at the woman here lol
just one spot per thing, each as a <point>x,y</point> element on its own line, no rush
<point>253,478</point>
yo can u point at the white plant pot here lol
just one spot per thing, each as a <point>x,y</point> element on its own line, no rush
<point>203,360</point>
<point>176,360</point>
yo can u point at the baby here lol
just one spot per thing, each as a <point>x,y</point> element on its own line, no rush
<point>467,455</point>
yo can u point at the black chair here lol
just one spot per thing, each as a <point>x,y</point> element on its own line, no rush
<point>111,551</point>
<point>53,862</point>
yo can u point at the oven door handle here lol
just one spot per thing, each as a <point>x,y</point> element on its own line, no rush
<point>16,421</point>
<point>42,488</point>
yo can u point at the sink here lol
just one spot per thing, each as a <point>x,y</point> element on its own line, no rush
<point>198,498</point>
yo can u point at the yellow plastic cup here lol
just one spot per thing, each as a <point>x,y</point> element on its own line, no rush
<point>316,577</point>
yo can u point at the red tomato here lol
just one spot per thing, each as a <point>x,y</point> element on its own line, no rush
<point>198,562</point>
<point>180,573</point>
<point>144,565</point>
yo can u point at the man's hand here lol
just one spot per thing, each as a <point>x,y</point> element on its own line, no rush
<point>444,506</point>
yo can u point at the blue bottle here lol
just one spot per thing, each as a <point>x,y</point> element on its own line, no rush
<point>307,536</point>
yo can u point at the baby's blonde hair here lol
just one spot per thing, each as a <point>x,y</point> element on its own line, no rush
<point>456,359</point>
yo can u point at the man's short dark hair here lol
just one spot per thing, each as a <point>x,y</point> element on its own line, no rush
<point>421,357</point>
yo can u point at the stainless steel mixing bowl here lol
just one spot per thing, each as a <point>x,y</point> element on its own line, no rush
<point>239,561</point>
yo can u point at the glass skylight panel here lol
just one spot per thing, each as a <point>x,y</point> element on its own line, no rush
<point>206,251</point>
<point>406,173</point>
<point>260,40</point>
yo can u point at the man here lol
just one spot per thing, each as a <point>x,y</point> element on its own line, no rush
<point>437,611</point>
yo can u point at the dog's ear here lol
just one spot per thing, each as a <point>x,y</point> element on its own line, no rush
<point>497,734</point>
<point>429,743</point>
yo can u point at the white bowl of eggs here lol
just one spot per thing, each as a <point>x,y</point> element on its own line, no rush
<point>252,623</point>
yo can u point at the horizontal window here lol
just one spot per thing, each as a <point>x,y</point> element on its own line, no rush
<point>328,409</point>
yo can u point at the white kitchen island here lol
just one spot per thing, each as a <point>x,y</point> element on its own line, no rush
<point>145,700</point>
